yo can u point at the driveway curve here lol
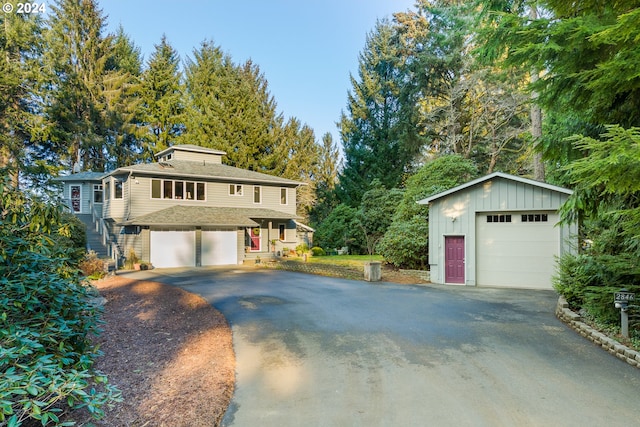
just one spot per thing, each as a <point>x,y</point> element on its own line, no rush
<point>320,351</point>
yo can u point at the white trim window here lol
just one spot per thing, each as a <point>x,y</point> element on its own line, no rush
<point>235,189</point>
<point>257,194</point>
<point>118,189</point>
<point>97,194</point>
<point>168,189</point>
<point>284,196</point>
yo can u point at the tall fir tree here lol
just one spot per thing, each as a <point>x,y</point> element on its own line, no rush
<point>162,105</point>
<point>229,108</point>
<point>377,131</point>
<point>76,56</point>
<point>297,158</point>
<point>326,180</point>
<point>122,90</point>
<point>21,47</point>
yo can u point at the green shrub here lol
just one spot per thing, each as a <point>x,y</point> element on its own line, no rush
<point>573,276</point>
<point>405,244</point>
<point>588,282</point>
<point>302,248</point>
<point>317,251</point>
<point>46,319</point>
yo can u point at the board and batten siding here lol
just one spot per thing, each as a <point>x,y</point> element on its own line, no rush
<point>137,195</point>
<point>455,215</point>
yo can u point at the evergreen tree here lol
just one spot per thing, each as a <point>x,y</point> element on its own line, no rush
<point>77,54</point>
<point>230,109</point>
<point>326,180</point>
<point>121,90</point>
<point>297,157</point>
<point>162,105</point>
<point>378,137</point>
<point>588,50</point>
<point>20,107</point>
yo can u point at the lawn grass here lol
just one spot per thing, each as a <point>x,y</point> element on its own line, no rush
<point>345,260</point>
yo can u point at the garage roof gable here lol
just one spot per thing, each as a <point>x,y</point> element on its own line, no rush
<point>489,178</point>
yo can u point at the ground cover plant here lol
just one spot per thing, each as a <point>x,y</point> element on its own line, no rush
<point>46,318</point>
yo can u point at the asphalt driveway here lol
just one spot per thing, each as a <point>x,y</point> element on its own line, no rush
<point>319,351</point>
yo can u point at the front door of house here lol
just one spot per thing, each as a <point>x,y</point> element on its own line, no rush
<point>76,198</point>
<point>454,259</point>
<point>254,234</point>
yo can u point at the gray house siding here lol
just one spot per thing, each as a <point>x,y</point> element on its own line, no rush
<point>137,197</point>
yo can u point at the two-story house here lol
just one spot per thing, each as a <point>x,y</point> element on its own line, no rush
<point>188,209</point>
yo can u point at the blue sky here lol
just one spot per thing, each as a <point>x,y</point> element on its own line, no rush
<point>305,48</point>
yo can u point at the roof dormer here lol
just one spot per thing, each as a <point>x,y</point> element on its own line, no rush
<point>190,153</point>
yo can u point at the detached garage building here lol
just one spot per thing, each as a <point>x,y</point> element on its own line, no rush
<point>498,230</point>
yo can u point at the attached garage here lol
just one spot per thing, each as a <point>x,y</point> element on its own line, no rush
<point>499,230</point>
<point>219,247</point>
<point>173,248</point>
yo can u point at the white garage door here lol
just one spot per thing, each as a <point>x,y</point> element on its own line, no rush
<point>219,247</point>
<point>173,249</point>
<point>516,249</point>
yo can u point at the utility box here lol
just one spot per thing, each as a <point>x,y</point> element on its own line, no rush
<point>372,271</point>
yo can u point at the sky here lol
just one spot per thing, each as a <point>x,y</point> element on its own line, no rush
<point>306,49</point>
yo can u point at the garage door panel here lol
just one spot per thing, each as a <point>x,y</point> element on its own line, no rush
<point>173,249</point>
<point>219,247</point>
<point>516,254</point>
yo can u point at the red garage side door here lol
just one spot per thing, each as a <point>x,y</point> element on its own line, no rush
<point>454,259</point>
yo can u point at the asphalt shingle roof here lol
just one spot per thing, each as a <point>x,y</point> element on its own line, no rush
<point>208,216</point>
<point>83,176</point>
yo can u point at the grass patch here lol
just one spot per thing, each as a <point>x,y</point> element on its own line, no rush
<point>344,260</point>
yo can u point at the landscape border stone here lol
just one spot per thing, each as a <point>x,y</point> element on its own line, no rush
<point>574,321</point>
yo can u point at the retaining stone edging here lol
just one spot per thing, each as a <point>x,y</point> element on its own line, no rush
<point>573,320</point>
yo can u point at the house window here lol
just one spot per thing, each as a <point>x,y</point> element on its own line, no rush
<point>282,232</point>
<point>178,190</point>
<point>167,189</point>
<point>257,194</point>
<point>235,189</point>
<point>155,189</point>
<point>97,193</point>
<point>200,194</point>
<point>107,190</point>
<point>117,189</point>
<point>283,196</point>
<point>535,218</point>
<point>190,190</point>
<point>498,218</point>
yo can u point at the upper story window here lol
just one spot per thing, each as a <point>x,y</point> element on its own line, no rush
<point>97,193</point>
<point>107,190</point>
<point>177,190</point>
<point>257,194</point>
<point>117,189</point>
<point>235,189</point>
<point>283,196</point>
